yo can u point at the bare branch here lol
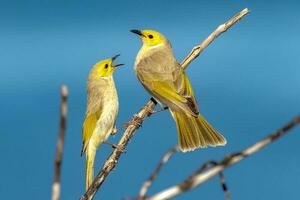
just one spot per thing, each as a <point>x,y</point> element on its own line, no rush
<point>155,173</point>
<point>201,177</point>
<point>60,143</point>
<point>146,111</point>
<point>207,166</point>
<point>221,29</point>
<point>164,160</point>
<point>224,186</point>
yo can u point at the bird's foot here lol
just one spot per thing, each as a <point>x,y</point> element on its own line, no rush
<point>156,111</point>
<point>135,121</point>
<point>115,131</point>
<point>151,112</point>
<point>115,146</point>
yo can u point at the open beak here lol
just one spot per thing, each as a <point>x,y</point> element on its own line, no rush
<point>138,32</point>
<point>117,65</point>
<point>114,58</point>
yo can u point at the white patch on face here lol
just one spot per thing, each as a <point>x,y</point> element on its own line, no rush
<point>155,46</point>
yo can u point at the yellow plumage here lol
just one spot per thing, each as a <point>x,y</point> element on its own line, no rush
<point>162,76</point>
<point>87,130</point>
<point>101,112</point>
<point>195,132</point>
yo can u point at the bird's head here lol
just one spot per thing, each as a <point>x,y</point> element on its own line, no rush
<point>150,37</point>
<point>106,67</point>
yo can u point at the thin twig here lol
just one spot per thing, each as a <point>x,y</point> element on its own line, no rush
<point>145,187</point>
<point>224,186</point>
<point>60,143</point>
<point>221,29</point>
<point>155,173</point>
<point>194,181</point>
<point>112,160</point>
<point>204,167</point>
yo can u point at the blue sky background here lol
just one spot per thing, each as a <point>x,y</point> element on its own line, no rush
<point>247,84</point>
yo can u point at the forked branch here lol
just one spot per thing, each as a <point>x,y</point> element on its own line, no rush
<point>202,168</point>
<point>155,173</point>
<point>200,177</point>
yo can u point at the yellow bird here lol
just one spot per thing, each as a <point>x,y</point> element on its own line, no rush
<point>163,77</point>
<point>101,111</point>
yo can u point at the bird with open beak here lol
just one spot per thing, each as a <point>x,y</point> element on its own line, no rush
<point>101,111</point>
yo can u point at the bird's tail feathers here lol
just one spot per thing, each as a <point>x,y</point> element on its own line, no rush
<point>196,132</point>
<point>89,173</point>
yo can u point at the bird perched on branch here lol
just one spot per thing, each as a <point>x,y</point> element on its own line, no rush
<point>101,111</point>
<point>164,78</point>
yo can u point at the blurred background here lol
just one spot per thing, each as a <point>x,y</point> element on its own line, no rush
<point>246,82</point>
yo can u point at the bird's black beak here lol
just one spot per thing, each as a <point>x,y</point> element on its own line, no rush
<point>117,65</point>
<point>138,32</point>
<point>114,58</point>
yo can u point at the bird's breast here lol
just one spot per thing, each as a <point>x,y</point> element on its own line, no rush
<point>110,101</point>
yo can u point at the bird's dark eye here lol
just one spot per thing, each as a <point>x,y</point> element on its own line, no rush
<point>150,36</point>
<point>106,66</point>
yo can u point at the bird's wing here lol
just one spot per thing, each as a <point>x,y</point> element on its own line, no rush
<point>166,81</point>
<point>181,95</point>
<point>89,125</point>
<point>185,89</point>
<point>93,113</point>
